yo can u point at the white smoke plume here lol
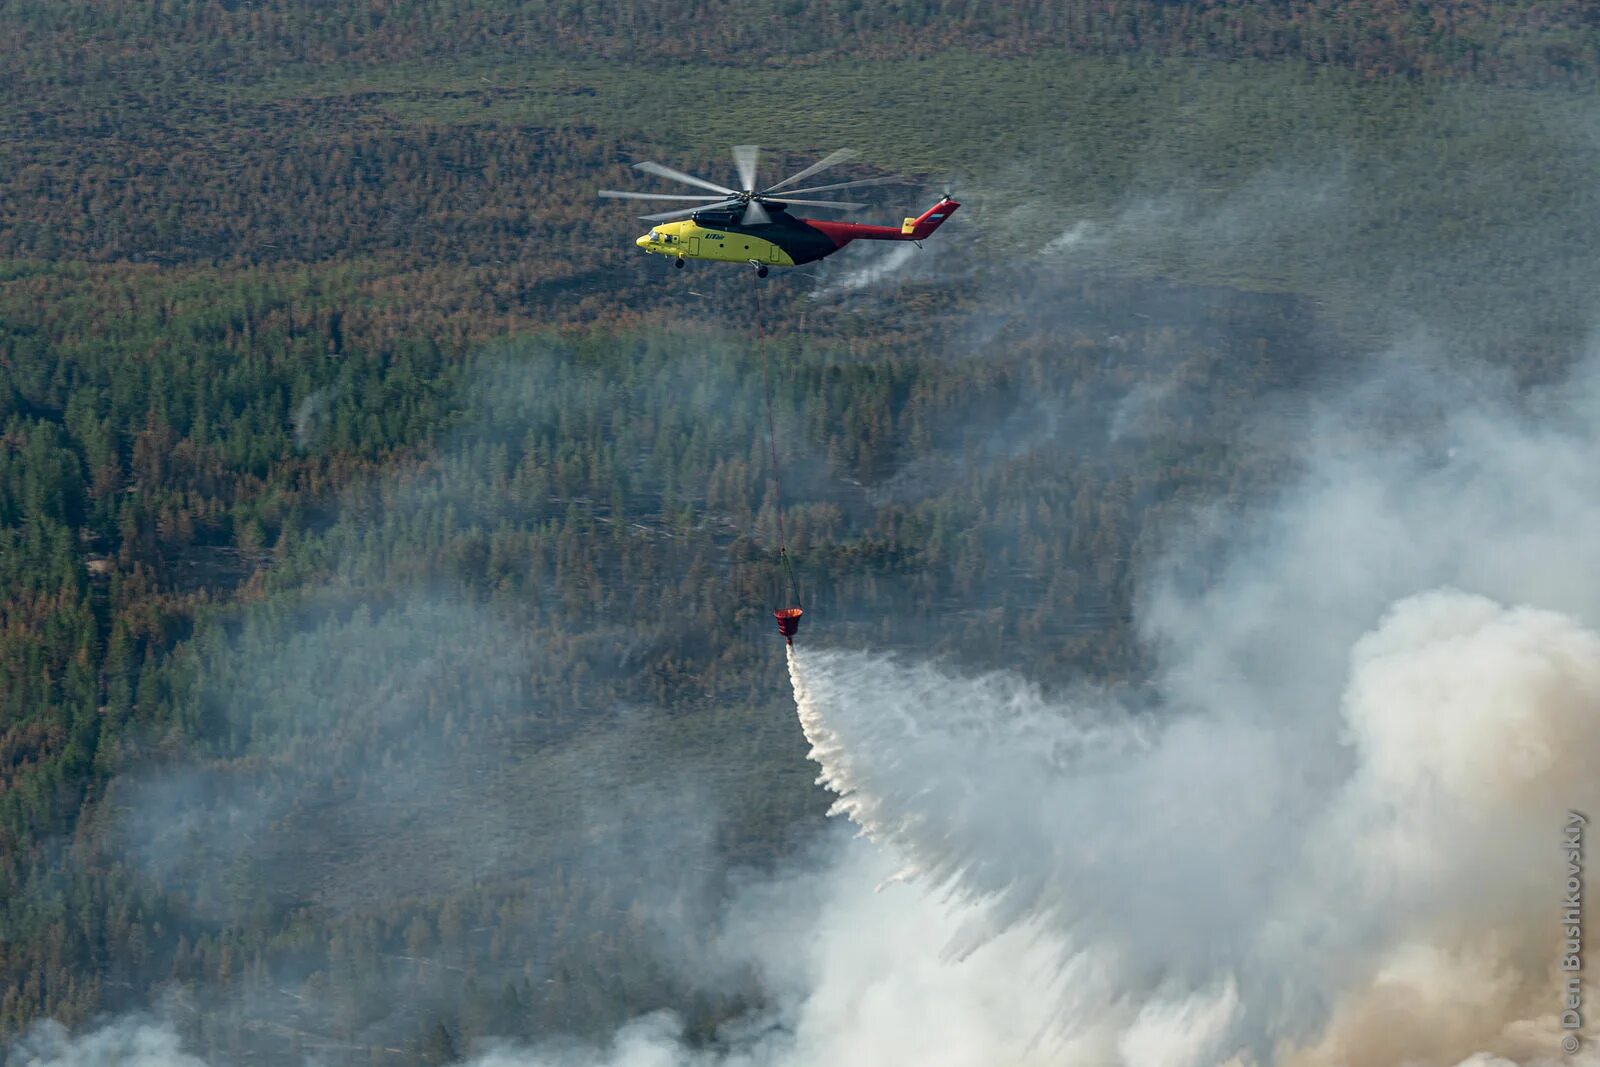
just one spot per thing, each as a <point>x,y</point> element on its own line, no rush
<point>1333,838</point>
<point>310,416</point>
<point>1211,884</point>
<point>880,265</point>
<point>130,1042</point>
<point>1336,840</point>
<point>856,978</point>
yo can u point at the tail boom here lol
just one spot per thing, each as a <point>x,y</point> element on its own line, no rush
<point>842,233</point>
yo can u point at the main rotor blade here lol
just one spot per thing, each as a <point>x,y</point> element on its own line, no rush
<point>680,176</point>
<point>755,215</point>
<point>681,212</point>
<point>826,161</point>
<point>814,203</point>
<point>845,185</point>
<point>744,158</point>
<point>621,194</point>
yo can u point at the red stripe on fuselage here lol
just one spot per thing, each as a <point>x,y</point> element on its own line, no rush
<point>842,233</point>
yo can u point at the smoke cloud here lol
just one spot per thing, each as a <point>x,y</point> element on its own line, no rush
<point>1331,836</point>
<point>882,265</point>
<point>1213,882</point>
<point>1336,838</point>
<point>131,1042</point>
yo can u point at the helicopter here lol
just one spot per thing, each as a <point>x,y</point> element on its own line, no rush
<point>753,224</point>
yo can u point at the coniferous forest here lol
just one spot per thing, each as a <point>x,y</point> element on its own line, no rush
<point>385,541</point>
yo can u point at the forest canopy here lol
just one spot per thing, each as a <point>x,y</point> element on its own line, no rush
<point>359,482</point>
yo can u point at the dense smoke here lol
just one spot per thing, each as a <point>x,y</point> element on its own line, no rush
<point>1337,841</point>
<point>1214,884</point>
<point>131,1042</point>
<point>1334,839</point>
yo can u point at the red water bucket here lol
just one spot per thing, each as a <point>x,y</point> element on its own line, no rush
<point>788,622</point>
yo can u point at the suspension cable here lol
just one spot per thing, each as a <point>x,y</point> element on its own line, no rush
<point>772,443</point>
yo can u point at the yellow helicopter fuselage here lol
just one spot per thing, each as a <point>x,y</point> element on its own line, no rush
<point>781,240</point>
<point>690,240</point>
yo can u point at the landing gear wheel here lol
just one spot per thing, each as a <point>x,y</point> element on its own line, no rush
<point>678,263</point>
<point>761,272</point>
